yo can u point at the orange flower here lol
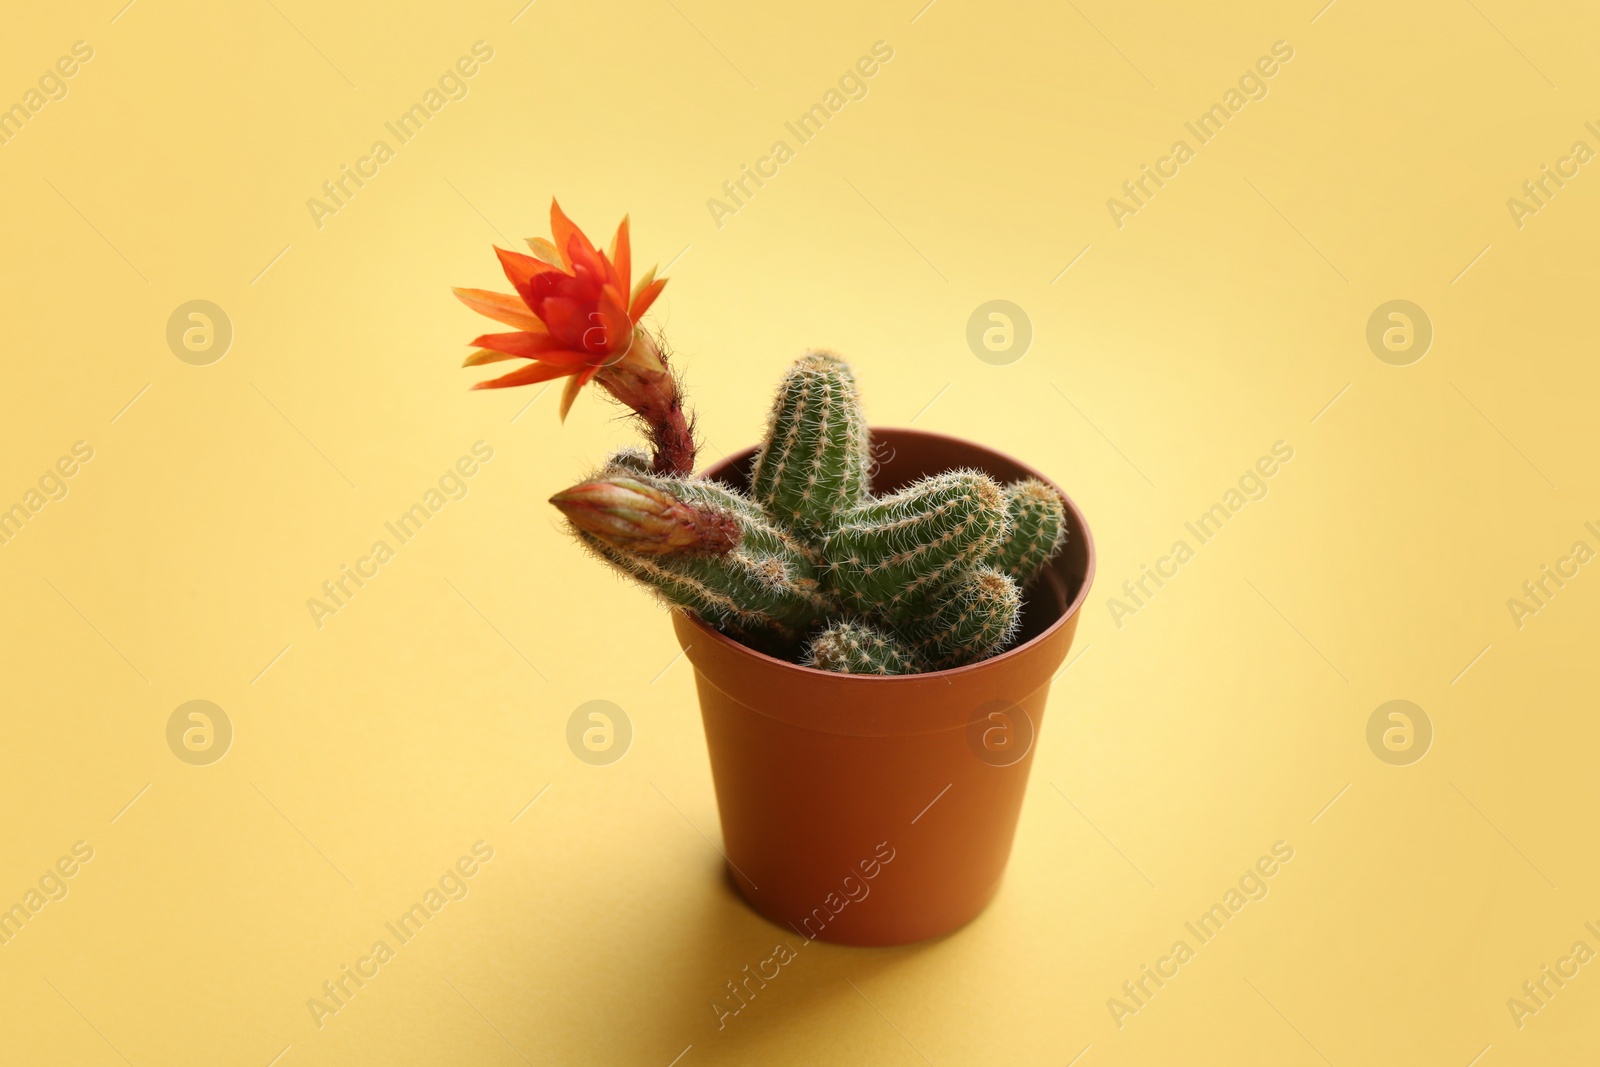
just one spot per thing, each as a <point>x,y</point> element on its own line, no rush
<point>573,313</point>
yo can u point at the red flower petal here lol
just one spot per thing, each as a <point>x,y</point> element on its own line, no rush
<point>622,256</point>
<point>612,315</point>
<point>564,230</point>
<point>644,282</point>
<point>568,320</point>
<point>587,264</point>
<point>574,384</point>
<point>646,297</point>
<point>501,307</point>
<point>533,372</point>
<point>540,346</point>
<point>544,251</point>
<point>521,271</point>
<point>486,355</point>
<point>608,272</point>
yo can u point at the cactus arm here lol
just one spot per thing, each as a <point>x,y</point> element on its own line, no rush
<point>1038,529</point>
<point>813,466</point>
<point>973,618</point>
<point>627,461</point>
<point>670,534</point>
<point>889,556</point>
<point>856,648</point>
<point>746,592</point>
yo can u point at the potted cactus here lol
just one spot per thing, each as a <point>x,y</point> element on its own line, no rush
<point>874,616</point>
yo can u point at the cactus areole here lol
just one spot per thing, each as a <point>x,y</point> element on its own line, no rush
<point>807,563</point>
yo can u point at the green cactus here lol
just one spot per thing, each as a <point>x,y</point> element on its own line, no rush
<point>700,492</point>
<point>851,647</point>
<point>703,547</point>
<point>810,563</point>
<point>1038,527</point>
<point>813,466</point>
<point>629,461</point>
<point>890,554</point>
<point>972,618</point>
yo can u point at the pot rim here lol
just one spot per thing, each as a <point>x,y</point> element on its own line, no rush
<point>951,674</point>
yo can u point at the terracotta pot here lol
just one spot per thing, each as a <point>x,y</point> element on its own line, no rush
<point>880,810</point>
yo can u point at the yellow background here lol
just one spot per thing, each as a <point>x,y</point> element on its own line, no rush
<point>1225,715</point>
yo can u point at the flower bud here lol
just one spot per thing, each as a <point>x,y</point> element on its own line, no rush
<point>632,516</point>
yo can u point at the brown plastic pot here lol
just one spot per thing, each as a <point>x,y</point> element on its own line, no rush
<point>872,810</point>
